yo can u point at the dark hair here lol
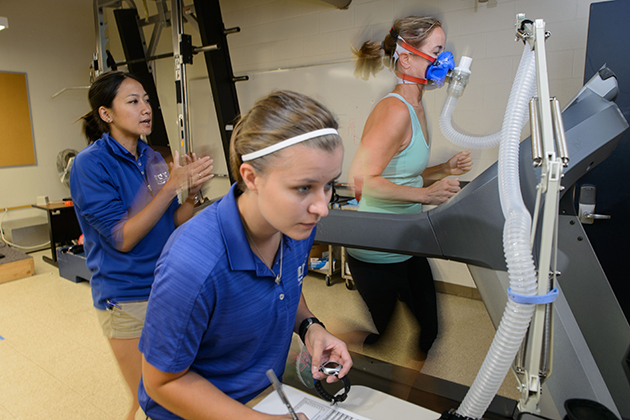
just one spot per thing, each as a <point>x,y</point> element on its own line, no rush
<point>414,29</point>
<point>280,115</point>
<point>102,93</point>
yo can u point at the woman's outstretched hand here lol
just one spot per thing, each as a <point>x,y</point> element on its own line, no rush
<point>192,175</point>
<point>199,172</point>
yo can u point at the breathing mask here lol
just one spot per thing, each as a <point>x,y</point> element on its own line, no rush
<point>436,72</point>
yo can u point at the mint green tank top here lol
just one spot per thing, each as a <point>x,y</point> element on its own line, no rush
<point>405,168</point>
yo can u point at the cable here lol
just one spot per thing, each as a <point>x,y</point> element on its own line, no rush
<point>15,245</point>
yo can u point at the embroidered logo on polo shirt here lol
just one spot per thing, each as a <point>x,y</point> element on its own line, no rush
<point>300,273</point>
<point>161,178</point>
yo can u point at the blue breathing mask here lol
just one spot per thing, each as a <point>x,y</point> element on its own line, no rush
<point>438,70</point>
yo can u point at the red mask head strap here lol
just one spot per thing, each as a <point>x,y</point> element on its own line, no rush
<point>412,79</point>
<point>415,51</point>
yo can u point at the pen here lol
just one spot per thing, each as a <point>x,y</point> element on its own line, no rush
<point>278,387</point>
<point>111,304</point>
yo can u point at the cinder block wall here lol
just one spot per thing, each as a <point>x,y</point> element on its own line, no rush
<point>54,47</point>
<point>277,34</point>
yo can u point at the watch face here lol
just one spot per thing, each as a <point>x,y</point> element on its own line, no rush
<point>330,368</point>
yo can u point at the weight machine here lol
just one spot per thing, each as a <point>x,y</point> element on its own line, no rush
<point>203,15</point>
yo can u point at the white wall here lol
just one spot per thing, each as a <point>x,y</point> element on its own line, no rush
<point>277,34</point>
<point>54,44</point>
<point>294,33</point>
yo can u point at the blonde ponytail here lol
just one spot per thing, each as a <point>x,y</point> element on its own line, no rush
<point>369,59</point>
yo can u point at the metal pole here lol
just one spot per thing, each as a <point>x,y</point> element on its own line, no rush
<point>181,87</point>
<point>206,48</point>
<point>100,57</point>
<point>143,60</point>
<point>558,127</point>
<point>537,154</point>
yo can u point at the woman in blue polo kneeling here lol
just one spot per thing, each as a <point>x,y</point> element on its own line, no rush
<point>227,295</point>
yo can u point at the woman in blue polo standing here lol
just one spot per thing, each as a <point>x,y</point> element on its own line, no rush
<point>125,199</point>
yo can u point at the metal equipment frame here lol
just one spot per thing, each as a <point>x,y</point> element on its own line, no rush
<point>205,16</point>
<point>535,361</point>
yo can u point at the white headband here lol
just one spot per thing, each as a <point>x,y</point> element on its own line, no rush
<point>288,142</point>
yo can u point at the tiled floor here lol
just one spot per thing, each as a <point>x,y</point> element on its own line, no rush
<point>55,363</point>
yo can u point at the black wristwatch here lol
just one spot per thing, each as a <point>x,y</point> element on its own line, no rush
<point>305,325</point>
<point>332,368</point>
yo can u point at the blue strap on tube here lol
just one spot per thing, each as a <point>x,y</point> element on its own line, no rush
<point>533,300</point>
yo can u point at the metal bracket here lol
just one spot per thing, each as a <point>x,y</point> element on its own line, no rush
<point>587,205</point>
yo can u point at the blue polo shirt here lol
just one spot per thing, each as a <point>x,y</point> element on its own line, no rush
<point>109,186</point>
<point>216,308</point>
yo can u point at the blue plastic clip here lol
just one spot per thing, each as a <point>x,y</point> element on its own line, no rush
<point>533,300</point>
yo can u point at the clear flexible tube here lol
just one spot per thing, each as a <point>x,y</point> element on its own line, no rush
<point>471,141</point>
<point>460,139</point>
<point>520,264</point>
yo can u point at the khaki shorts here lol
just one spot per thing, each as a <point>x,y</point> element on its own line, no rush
<point>124,321</point>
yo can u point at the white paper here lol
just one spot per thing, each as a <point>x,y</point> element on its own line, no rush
<point>312,407</point>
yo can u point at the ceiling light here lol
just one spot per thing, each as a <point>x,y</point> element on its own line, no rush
<point>4,23</point>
